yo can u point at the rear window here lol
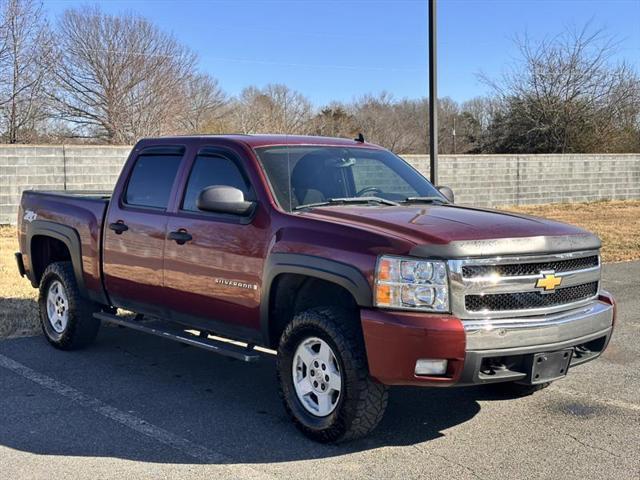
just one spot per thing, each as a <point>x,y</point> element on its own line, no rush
<point>151,180</point>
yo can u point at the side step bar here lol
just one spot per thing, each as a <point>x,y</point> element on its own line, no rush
<point>175,333</point>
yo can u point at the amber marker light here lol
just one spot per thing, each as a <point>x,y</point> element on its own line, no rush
<point>383,294</point>
<point>384,269</point>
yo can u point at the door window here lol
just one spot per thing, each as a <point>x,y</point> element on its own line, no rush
<point>151,180</point>
<point>209,170</point>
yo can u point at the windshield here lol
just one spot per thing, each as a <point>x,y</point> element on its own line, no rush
<point>307,175</point>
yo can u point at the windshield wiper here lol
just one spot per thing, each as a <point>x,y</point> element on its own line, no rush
<point>348,200</point>
<point>424,200</point>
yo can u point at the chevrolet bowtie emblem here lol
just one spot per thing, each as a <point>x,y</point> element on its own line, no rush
<point>548,282</point>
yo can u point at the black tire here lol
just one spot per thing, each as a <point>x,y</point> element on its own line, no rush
<point>515,390</point>
<point>81,329</point>
<point>362,401</point>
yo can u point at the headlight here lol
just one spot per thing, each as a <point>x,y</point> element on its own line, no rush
<point>410,284</point>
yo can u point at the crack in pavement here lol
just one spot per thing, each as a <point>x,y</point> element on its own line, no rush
<point>588,445</point>
<point>450,462</point>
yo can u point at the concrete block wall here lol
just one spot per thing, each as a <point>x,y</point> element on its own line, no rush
<point>494,180</point>
<point>482,180</point>
<point>47,167</point>
<point>94,168</point>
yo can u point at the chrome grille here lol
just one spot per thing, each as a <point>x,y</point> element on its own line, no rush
<point>524,300</point>
<point>514,270</point>
<point>504,287</point>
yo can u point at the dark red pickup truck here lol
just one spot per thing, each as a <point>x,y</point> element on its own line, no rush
<point>335,253</point>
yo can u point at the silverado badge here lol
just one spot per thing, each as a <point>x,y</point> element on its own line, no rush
<point>236,284</point>
<point>548,282</point>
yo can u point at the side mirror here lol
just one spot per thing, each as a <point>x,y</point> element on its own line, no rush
<point>223,199</point>
<point>447,192</point>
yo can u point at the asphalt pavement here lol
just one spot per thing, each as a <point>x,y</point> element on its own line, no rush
<point>135,406</point>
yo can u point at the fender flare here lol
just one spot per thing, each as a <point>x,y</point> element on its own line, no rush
<point>66,235</point>
<point>342,274</point>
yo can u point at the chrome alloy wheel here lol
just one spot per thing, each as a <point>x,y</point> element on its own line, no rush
<point>316,376</point>
<point>57,307</point>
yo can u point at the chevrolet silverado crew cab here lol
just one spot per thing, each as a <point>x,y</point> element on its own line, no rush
<point>336,253</point>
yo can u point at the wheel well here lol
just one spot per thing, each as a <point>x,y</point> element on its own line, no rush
<point>45,251</point>
<point>293,293</point>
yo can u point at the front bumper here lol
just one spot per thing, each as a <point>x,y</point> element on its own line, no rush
<point>483,351</point>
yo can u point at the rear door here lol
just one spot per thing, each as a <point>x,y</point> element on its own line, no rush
<point>214,279</point>
<point>134,236</point>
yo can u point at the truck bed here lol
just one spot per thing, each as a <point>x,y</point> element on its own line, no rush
<point>81,211</point>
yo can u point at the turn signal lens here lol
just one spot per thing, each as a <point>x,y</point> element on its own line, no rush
<point>384,270</point>
<point>383,295</point>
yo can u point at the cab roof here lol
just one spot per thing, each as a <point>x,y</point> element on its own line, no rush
<point>267,140</point>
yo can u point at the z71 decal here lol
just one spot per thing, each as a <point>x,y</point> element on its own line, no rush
<point>30,216</point>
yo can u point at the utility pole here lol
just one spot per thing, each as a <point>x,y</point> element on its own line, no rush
<point>433,94</point>
<point>453,134</point>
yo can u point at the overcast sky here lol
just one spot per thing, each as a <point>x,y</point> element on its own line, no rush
<point>342,49</point>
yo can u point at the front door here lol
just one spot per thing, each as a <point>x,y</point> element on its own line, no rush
<point>213,280</point>
<point>135,227</point>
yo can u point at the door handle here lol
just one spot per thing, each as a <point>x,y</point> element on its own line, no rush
<point>180,236</point>
<point>118,227</point>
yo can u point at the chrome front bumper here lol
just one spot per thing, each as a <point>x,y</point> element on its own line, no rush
<point>509,341</point>
<point>593,319</point>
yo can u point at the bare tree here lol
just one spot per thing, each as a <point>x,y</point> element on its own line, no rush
<point>334,120</point>
<point>204,105</point>
<point>274,109</point>
<point>475,118</point>
<point>402,125</point>
<point>114,78</point>
<point>25,63</point>
<point>566,95</point>
<point>119,77</point>
<point>398,125</point>
<point>450,126</point>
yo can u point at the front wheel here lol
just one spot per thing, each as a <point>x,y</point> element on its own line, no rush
<point>324,379</point>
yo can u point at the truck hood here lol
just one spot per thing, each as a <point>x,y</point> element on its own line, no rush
<point>451,231</point>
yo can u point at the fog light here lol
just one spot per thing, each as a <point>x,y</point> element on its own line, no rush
<point>431,366</point>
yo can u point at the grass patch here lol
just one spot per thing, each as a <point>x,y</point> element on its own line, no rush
<point>18,310</point>
<point>617,224</point>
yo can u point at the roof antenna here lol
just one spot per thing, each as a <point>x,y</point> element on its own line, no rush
<point>359,138</point>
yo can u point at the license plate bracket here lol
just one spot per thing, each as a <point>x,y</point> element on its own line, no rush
<point>549,366</point>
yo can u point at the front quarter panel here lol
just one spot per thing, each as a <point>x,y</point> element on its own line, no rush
<point>336,253</point>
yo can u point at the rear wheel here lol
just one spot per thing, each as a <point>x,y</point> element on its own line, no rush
<point>324,379</point>
<point>65,316</point>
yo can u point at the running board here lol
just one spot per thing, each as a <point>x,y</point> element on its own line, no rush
<point>175,333</point>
